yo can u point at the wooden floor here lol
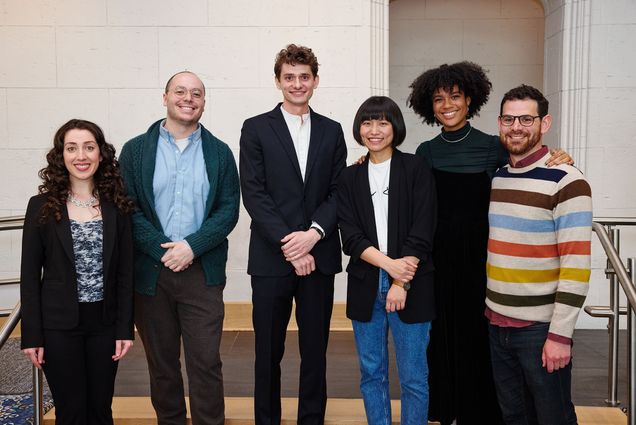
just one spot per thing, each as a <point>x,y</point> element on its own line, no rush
<point>132,405</point>
<point>238,411</point>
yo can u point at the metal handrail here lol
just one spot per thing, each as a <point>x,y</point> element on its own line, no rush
<point>612,255</point>
<point>38,396</point>
<point>16,223</point>
<point>12,281</point>
<point>11,223</point>
<point>616,269</point>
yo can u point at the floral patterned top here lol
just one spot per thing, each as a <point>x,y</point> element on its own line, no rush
<point>89,268</point>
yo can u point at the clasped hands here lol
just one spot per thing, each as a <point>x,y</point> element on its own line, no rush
<point>296,247</point>
<point>178,257</point>
<point>403,270</point>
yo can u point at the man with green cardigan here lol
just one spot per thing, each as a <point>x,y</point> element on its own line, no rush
<point>185,184</point>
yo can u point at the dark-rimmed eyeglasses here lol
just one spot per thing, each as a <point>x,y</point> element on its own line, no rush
<point>524,120</point>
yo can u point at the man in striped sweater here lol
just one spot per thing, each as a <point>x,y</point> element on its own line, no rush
<point>538,267</point>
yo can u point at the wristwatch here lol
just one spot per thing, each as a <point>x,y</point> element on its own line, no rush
<point>406,286</point>
<point>320,232</point>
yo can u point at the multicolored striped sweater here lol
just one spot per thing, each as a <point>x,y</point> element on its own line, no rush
<point>539,244</point>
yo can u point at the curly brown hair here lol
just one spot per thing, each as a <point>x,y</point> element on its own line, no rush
<point>469,77</point>
<point>292,55</point>
<point>107,179</point>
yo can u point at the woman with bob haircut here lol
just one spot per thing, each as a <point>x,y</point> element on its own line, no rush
<point>76,274</point>
<point>464,161</point>
<point>386,215</point>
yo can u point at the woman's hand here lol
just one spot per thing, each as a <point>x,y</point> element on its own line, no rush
<point>36,355</point>
<point>395,299</point>
<point>121,348</point>
<point>559,157</point>
<point>402,269</point>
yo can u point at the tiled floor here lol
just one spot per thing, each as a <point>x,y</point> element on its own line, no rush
<point>237,351</point>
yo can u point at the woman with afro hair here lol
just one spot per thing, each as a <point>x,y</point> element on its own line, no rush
<point>464,160</point>
<point>76,288</point>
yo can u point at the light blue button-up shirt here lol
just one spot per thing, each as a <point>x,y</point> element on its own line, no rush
<point>180,185</point>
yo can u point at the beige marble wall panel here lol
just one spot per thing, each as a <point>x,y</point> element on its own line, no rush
<point>100,57</point>
<point>131,111</point>
<point>337,12</point>
<point>222,57</point>
<point>518,42</point>
<point>256,13</point>
<point>28,57</point>
<point>35,114</point>
<point>174,13</point>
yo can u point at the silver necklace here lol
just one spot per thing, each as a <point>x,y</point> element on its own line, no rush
<point>82,204</point>
<point>458,140</point>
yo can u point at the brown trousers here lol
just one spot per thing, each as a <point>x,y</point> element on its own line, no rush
<point>183,309</point>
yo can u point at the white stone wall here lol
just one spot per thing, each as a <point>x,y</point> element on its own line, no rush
<point>108,60</point>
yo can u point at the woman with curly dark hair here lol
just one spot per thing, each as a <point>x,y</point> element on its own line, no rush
<point>76,274</point>
<point>464,160</point>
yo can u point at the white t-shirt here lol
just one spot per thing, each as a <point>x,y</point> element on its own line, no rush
<point>379,184</point>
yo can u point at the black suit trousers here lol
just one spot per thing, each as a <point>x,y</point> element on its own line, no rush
<point>79,369</point>
<point>272,303</point>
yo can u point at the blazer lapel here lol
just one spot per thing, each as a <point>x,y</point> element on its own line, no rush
<point>396,183</point>
<point>315,140</point>
<point>109,221</point>
<point>366,203</point>
<point>279,126</point>
<point>63,229</point>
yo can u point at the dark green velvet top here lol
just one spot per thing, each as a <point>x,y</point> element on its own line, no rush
<point>467,150</point>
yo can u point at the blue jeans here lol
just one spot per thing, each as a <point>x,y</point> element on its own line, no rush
<point>527,393</point>
<point>410,341</point>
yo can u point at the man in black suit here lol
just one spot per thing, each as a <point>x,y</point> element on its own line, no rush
<point>290,161</point>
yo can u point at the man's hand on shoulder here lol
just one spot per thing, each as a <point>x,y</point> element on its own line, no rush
<point>555,355</point>
<point>304,265</point>
<point>298,244</point>
<point>178,257</point>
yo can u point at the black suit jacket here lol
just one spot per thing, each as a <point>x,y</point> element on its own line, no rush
<point>411,226</point>
<point>48,285</point>
<point>277,199</point>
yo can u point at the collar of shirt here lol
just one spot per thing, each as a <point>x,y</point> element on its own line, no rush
<point>300,131</point>
<point>530,159</point>
<point>164,134</point>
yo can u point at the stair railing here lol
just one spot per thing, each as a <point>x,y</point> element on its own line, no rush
<point>16,223</point>
<point>618,274</point>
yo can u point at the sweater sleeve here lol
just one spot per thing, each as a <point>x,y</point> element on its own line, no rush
<point>146,237</point>
<point>573,225</point>
<point>225,208</point>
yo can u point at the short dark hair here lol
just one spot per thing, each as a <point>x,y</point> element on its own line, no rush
<point>380,108</point>
<point>469,77</point>
<point>523,92</point>
<point>179,73</point>
<point>292,55</point>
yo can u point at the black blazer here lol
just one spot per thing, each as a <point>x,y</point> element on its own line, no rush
<point>48,285</point>
<point>277,199</point>
<point>411,226</point>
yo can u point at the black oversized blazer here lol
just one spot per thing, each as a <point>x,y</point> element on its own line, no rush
<point>48,284</point>
<point>279,201</point>
<point>411,226</point>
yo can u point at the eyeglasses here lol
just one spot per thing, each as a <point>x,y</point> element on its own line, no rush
<point>524,120</point>
<point>180,92</point>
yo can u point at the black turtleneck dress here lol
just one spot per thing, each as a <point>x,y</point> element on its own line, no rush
<point>460,378</point>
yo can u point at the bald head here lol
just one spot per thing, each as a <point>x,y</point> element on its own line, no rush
<point>180,73</point>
